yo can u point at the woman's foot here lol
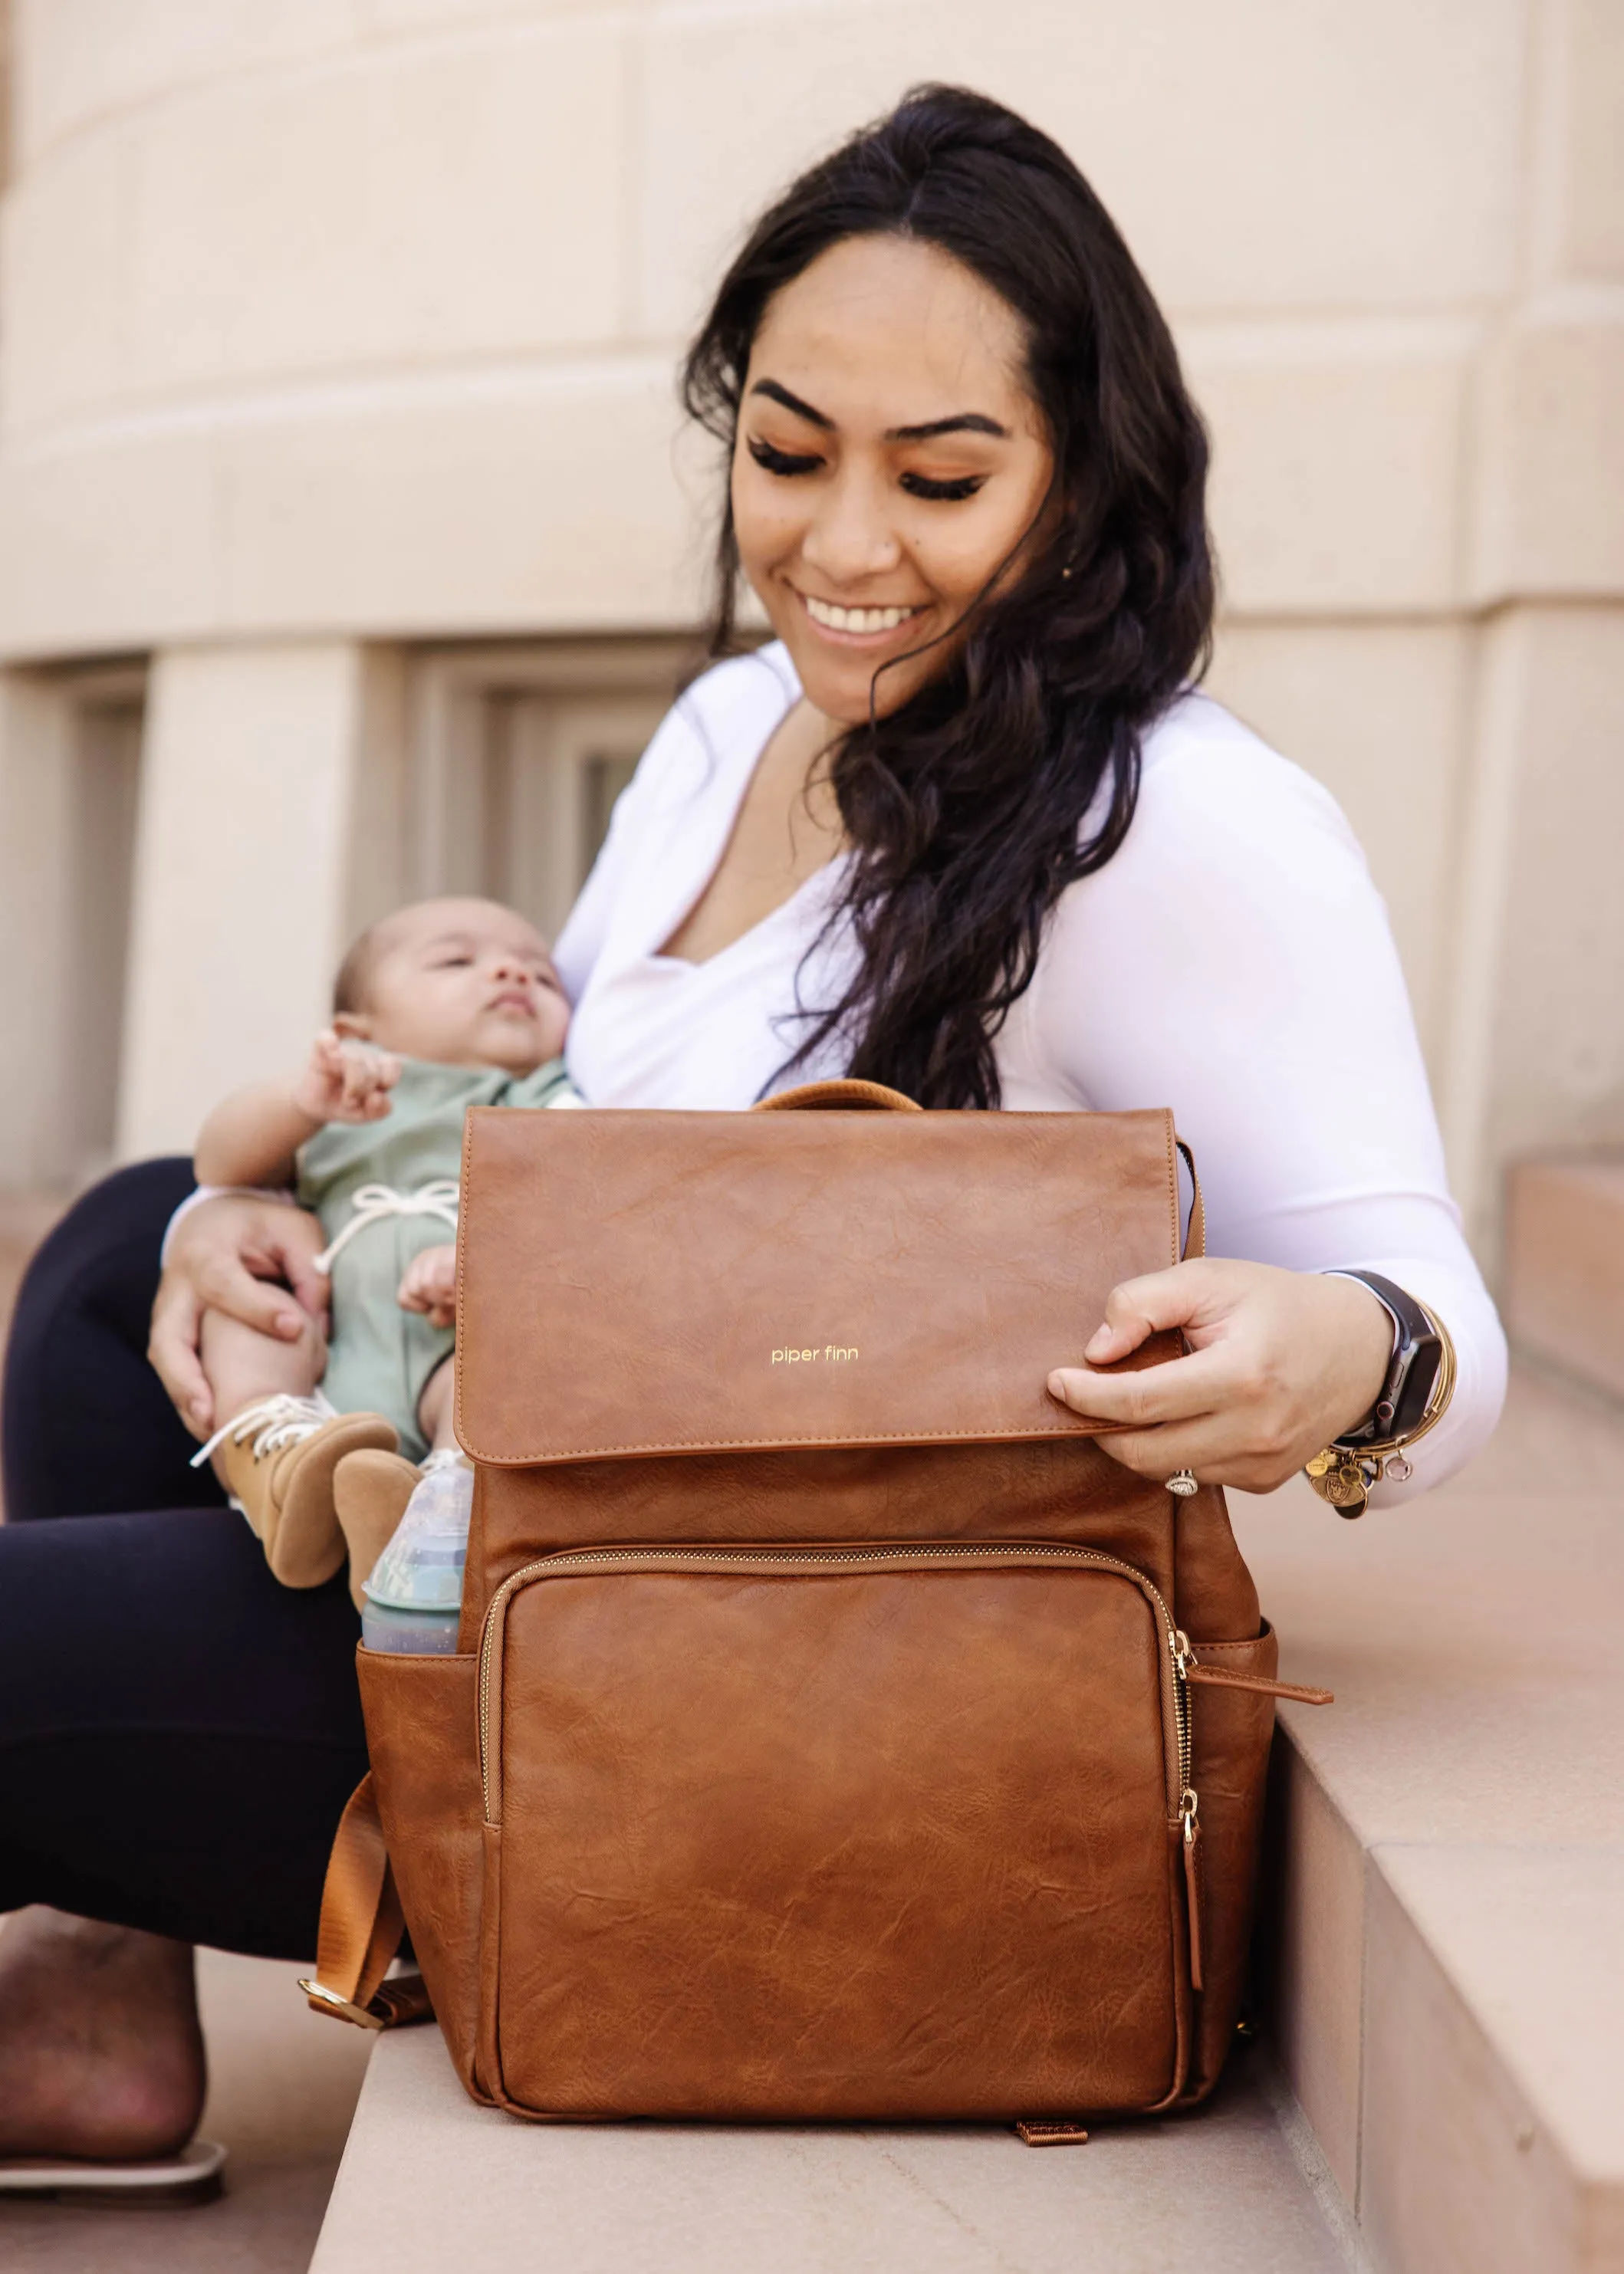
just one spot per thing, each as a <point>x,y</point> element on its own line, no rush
<point>100,2053</point>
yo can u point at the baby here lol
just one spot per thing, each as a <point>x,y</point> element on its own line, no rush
<point>442,1005</point>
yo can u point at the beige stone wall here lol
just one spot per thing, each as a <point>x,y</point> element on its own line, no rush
<point>264,844</point>
<point>367,307</point>
<point>353,320</point>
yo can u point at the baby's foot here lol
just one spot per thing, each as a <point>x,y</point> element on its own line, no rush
<point>279,1456</point>
<point>370,1492</point>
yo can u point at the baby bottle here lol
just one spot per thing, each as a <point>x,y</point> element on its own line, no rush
<point>414,1591</point>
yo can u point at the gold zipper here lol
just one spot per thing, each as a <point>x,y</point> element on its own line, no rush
<point>1180,1658</point>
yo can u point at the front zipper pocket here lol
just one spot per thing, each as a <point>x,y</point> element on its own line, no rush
<point>854,1832</point>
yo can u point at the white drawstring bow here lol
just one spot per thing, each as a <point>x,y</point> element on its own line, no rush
<point>379,1203</point>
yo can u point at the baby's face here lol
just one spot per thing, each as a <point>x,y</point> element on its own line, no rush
<point>463,982</point>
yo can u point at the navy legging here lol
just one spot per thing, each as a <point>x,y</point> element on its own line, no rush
<point>178,1734</point>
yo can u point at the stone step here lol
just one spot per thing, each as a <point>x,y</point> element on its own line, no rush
<point>1446,1899</point>
<point>1564,1268</point>
<point>430,2182</point>
<point>1448,2002</point>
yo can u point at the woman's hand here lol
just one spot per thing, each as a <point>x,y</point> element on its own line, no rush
<point>429,1286</point>
<point>1279,1363</point>
<point>249,1258</point>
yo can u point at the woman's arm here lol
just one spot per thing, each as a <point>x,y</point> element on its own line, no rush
<point>1235,961</point>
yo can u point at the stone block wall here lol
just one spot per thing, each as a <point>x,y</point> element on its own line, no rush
<point>351,325</point>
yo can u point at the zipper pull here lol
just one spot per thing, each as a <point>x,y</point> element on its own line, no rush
<point>1262,1685</point>
<point>1187,1805</point>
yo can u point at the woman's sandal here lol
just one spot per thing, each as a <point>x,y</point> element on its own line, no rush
<point>192,2177</point>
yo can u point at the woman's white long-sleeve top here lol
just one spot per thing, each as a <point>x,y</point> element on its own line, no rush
<point>1234,961</point>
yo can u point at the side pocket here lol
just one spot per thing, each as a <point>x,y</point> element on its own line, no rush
<point>422,1732</point>
<point>1231,1729</point>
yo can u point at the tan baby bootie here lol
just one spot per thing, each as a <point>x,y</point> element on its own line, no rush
<point>369,1493</point>
<point>280,1455</point>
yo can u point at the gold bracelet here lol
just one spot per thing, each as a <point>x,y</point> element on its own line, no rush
<point>1346,1475</point>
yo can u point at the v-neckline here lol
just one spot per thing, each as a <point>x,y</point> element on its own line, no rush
<point>772,657</point>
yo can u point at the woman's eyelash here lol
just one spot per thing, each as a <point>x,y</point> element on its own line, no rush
<point>965,486</point>
<point>781,461</point>
<point>919,485</point>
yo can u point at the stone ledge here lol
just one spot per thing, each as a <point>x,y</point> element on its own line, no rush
<point>428,2181</point>
<point>1494,2008</point>
<point>1565,1267</point>
<point>1452,1880</point>
<point>1447,2002</point>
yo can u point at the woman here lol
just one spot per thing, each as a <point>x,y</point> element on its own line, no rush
<point>963,828</point>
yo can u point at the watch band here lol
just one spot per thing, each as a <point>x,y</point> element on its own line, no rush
<point>1419,1380</point>
<point>1417,1353</point>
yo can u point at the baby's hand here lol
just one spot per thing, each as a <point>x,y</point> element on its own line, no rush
<point>430,1286</point>
<point>345,1081</point>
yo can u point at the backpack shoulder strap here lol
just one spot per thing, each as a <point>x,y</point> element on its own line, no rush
<point>361,1929</point>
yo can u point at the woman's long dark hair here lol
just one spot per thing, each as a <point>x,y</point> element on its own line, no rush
<point>1015,771</point>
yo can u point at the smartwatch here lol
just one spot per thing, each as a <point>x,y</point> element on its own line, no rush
<point>1417,1388</point>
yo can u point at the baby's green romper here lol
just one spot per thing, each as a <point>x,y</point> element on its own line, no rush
<point>395,1181</point>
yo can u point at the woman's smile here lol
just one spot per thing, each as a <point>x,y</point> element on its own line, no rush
<point>852,625</point>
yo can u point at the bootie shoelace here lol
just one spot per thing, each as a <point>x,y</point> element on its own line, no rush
<point>273,1423</point>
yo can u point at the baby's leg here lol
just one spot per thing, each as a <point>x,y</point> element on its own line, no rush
<point>243,1366</point>
<point>278,1447</point>
<point>434,1407</point>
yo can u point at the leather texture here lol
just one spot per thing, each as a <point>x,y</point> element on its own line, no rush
<point>1066,1490</point>
<point>823,1750</point>
<point>704,1282</point>
<point>816,1886</point>
<point>422,1732</point>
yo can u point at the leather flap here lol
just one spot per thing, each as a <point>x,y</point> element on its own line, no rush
<point>655,1283</point>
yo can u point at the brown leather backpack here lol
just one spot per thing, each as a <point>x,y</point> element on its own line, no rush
<point>835,1730</point>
